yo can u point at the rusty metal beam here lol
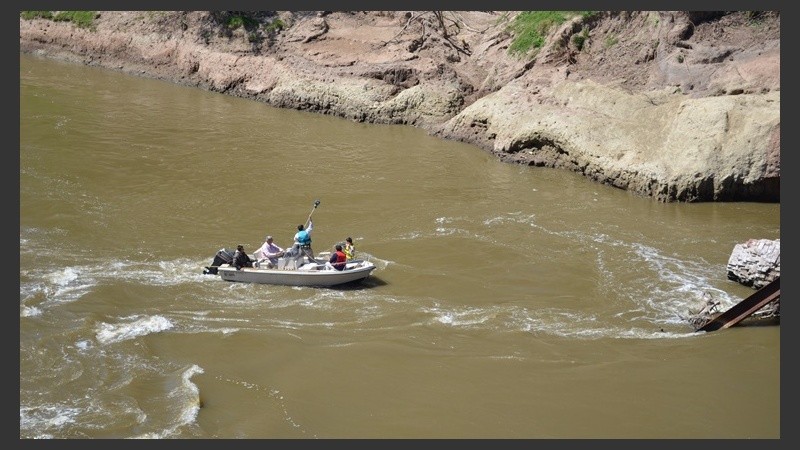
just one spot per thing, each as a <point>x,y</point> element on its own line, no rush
<point>746,307</point>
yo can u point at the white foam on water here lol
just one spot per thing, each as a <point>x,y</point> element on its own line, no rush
<point>63,285</point>
<point>46,417</point>
<point>463,316</point>
<point>185,397</point>
<point>29,311</point>
<point>679,286</point>
<point>64,277</point>
<point>108,333</point>
<point>160,273</point>
<point>67,285</point>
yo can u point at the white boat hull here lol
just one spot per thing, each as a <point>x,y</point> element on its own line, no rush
<point>308,275</point>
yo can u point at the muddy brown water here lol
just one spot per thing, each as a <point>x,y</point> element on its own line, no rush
<point>509,301</point>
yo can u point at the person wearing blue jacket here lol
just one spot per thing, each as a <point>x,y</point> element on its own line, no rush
<point>302,239</point>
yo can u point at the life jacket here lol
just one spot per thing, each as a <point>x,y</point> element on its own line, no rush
<point>303,238</point>
<point>349,251</point>
<point>340,260</point>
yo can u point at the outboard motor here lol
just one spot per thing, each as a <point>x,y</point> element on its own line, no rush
<point>224,256</point>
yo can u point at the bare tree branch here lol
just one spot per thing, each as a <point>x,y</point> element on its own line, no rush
<point>403,30</point>
<point>441,20</point>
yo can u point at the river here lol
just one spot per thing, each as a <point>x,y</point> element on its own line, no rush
<point>508,302</point>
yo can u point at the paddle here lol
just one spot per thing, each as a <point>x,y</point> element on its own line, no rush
<point>316,203</point>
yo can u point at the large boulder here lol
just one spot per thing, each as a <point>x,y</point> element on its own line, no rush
<point>755,263</point>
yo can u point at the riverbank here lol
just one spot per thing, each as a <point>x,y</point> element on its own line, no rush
<point>676,106</point>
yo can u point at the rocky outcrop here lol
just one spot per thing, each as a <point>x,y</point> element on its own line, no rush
<point>664,146</point>
<point>673,105</point>
<point>755,263</point>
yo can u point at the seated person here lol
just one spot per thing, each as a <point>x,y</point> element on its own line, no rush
<point>270,253</point>
<point>337,260</point>
<point>241,259</point>
<point>349,248</point>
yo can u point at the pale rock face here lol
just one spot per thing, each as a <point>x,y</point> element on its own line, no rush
<point>673,105</point>
<point>755,263</point>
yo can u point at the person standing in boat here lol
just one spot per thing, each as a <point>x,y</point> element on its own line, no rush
<point>270,252</point>
<point>241,259</point>
<point>302,239</point>
<point>349,248</point>
<point>338,259</point>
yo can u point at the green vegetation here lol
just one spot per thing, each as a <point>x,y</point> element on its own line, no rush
<point>531,27</point>
<point>275,26</point>
<point>755,18</point>
<point>29,15</point>
<point>155,14</point>
<point>611,41</point>
<point>82,19</point>
<point>580,39</point>
<point>251,23</point>
<point>753,15</point>
<point>238,21</point>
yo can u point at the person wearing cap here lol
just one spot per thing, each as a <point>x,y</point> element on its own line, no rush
<point>349,248</point>
<point>241,259</point>
<point>270,252</point>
